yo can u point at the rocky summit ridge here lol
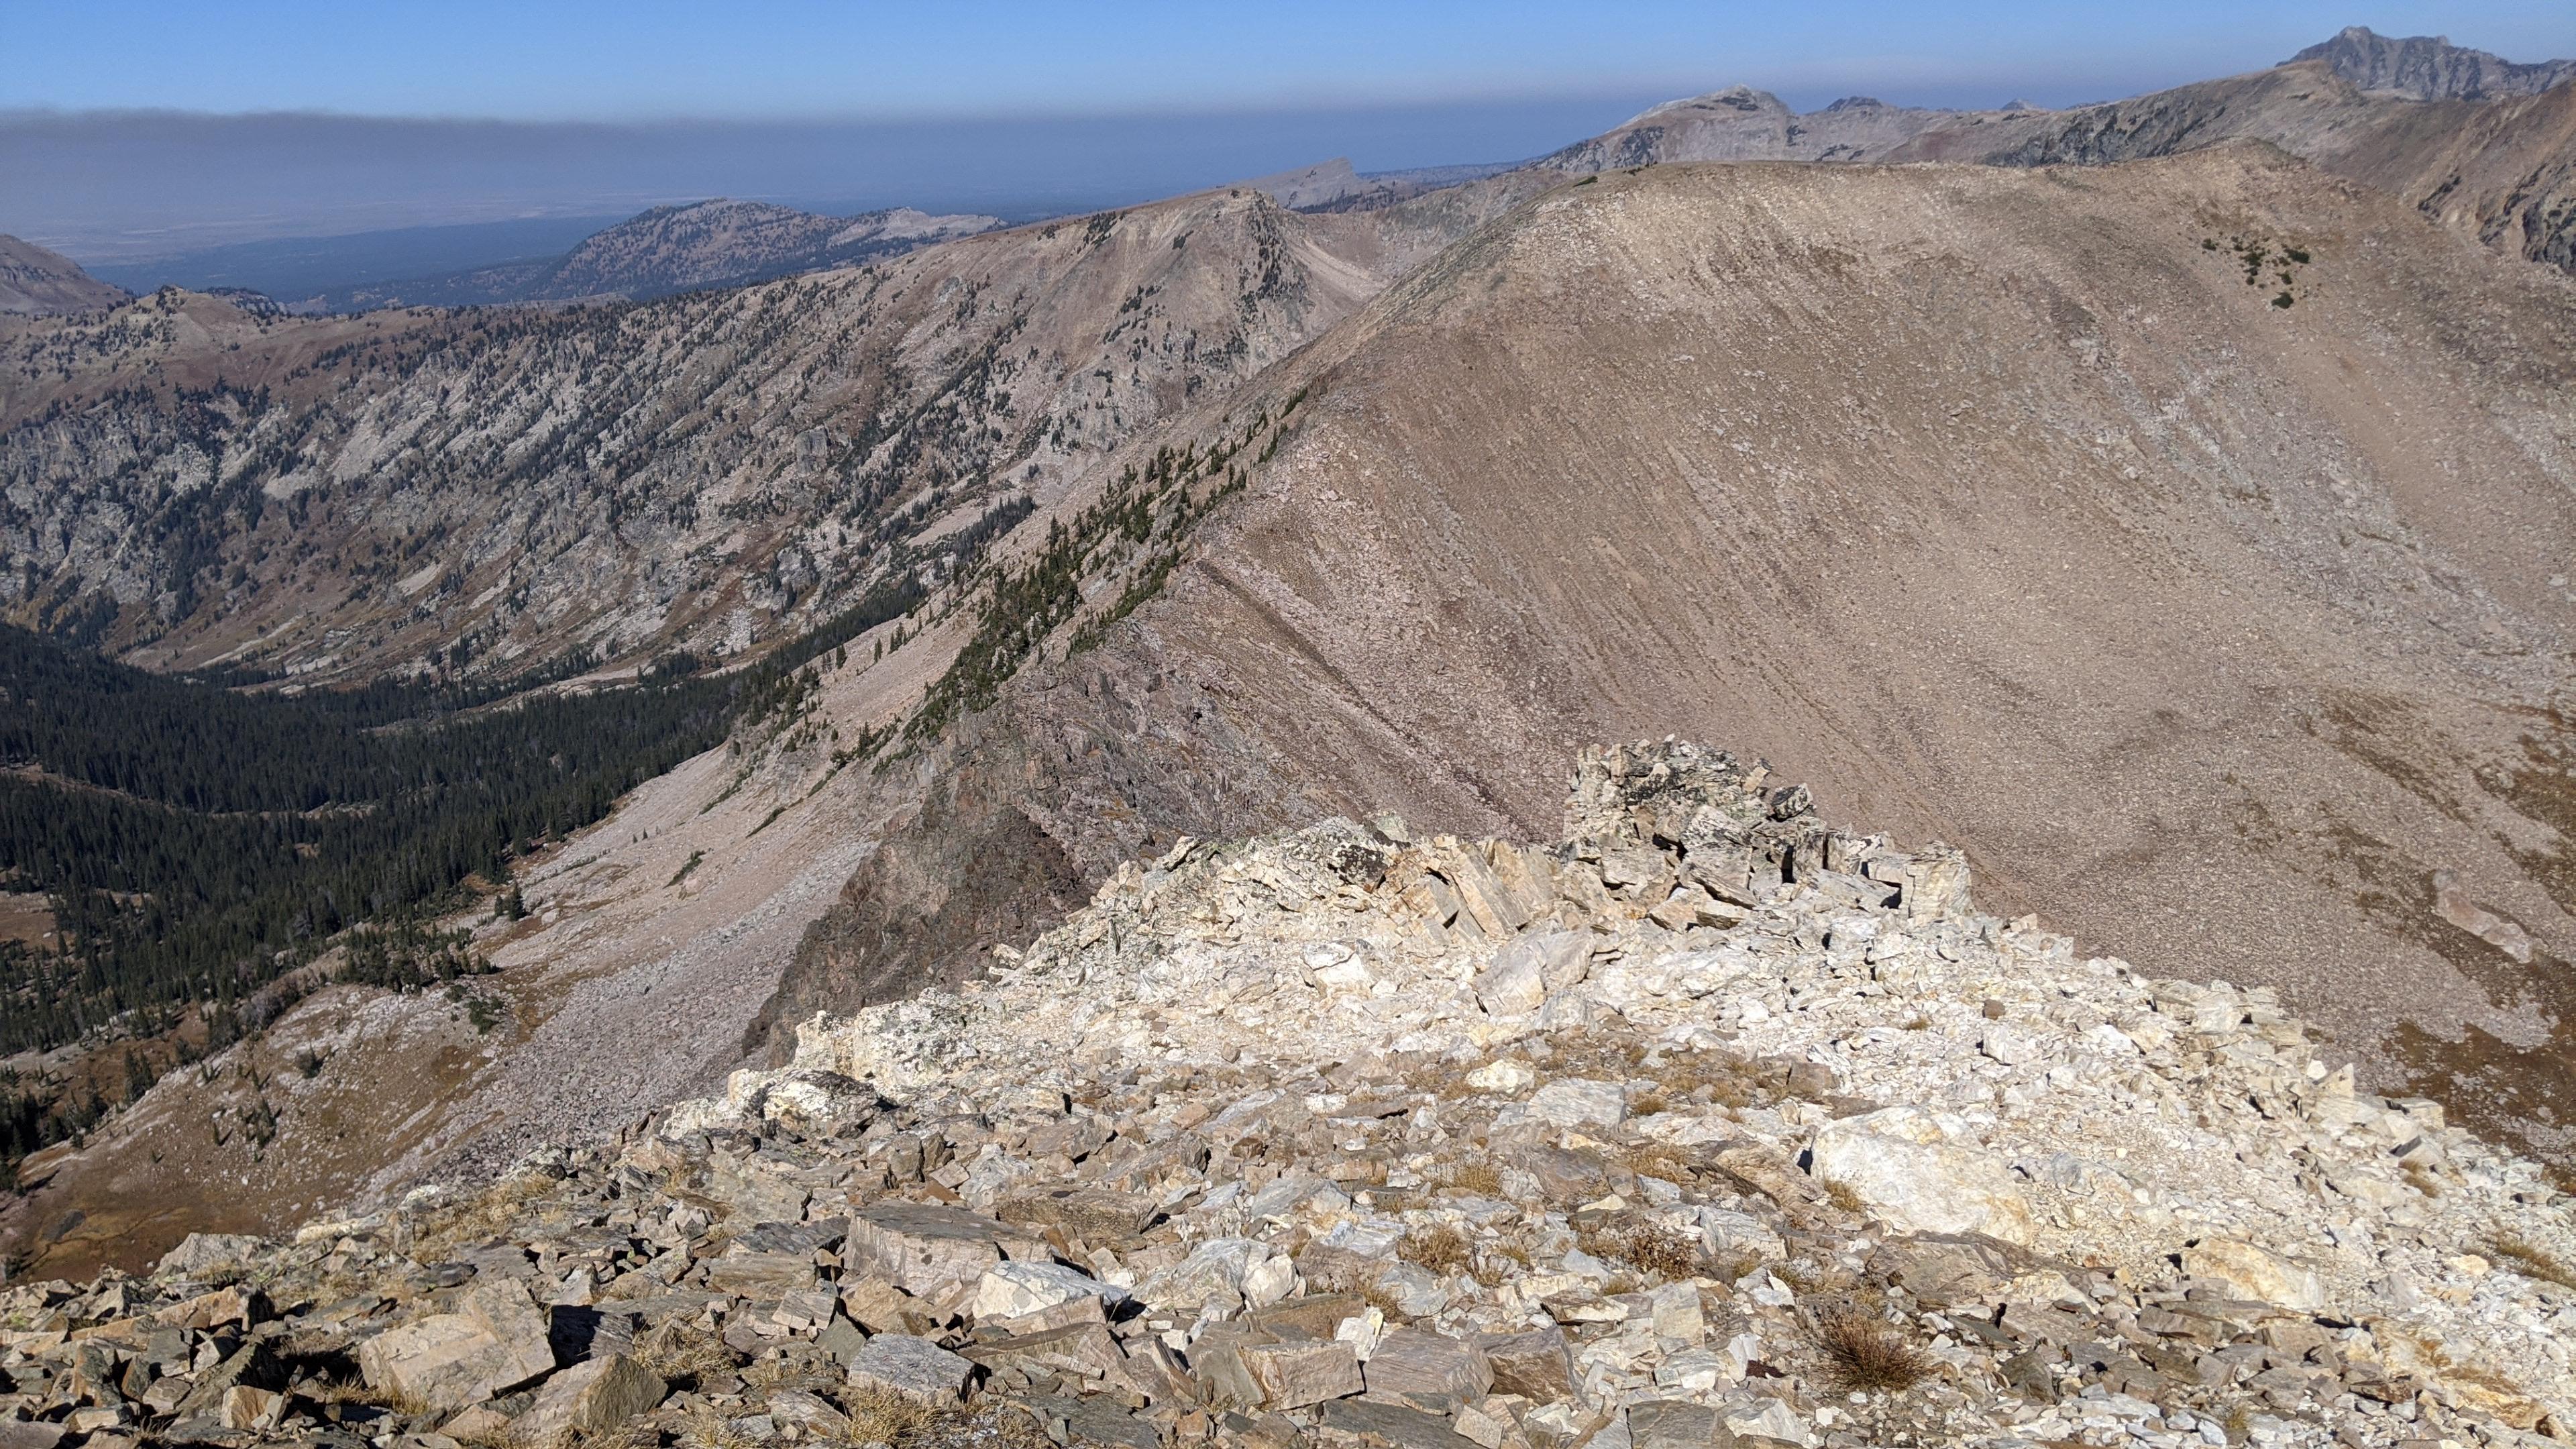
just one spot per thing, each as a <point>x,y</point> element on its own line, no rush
<point>1708,1124</point>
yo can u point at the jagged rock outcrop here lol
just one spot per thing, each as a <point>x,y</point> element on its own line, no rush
<point>1239,1154</point>
<point>2430,67</point>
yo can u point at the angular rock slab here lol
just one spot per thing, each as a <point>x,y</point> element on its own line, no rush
<point>1294,1375</point>
<point>1428,1371</point>
<point>926,1247</point>
<point>598,1394</point>
<point>494,1343</point>
<point>1537,1365</point>
<point>911,1368</point>
<point>1388,1426</point>
<point>1675,1424</point>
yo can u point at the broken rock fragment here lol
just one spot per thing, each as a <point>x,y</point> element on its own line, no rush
<point>495,1341</point>
<point>911,1368</point>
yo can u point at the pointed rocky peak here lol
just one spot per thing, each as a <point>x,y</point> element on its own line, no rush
<point>2430,67</point>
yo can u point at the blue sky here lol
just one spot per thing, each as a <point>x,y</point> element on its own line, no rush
<point>636,59</point>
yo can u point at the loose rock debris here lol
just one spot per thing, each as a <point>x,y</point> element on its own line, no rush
<point>1708,1125</point>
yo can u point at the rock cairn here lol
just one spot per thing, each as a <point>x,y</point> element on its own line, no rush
<point>1709,1125</point>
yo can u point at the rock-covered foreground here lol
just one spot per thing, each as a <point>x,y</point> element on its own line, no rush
<point>1709,1126</point>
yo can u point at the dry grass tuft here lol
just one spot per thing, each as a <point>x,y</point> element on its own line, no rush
<point>1647,1104</point>
<point>684,1355</point>
<point>2531,1260</point>
<point>1655,1159</point>
<point>1383,1299</point>
<point>1846,1197</point>
<point>1867,1354</point>
<point>1480,1178</point>
<point>811,1370</point>
<point>1654,1251</point>
<point>478,1219</point>
<point>1443,1250</point>
<point>633,1434</point>
<point>705,1429</point>
<point>2423,1179</point>
<point>355,1391</point>
<point>1665,1252</point>
<point>879,1417</point>
<point>1499,1261</point>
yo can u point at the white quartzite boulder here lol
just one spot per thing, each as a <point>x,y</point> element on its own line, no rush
<point>200,1251</point>
<point>1015,1290</point>
<point>2254,1273</point>
<point>1916,1180</point>
<point>1575,1102</point>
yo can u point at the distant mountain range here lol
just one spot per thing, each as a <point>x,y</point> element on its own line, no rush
<point>670,249</point>
<point>2482,144</point>
<point>36,282</point>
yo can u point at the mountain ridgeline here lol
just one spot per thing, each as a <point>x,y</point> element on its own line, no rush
<point>2163,502</point>
<point>720,243</point>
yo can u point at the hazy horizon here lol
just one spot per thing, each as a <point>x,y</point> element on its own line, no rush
<point>150,130</point>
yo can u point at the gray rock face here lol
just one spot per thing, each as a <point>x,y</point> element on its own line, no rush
<point>587,1398</point>
<point>911,1368</point>
<point>2431,68</point>
<point>924,1247</point>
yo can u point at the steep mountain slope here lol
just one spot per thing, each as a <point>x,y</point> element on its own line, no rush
<point>486,491</point>
<point>36,282</point>
<point>676,249</point>
<point>653,940</point>
<point>1997,503</point>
